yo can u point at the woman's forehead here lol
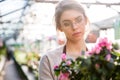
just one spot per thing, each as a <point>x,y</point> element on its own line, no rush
<point>71,15</point>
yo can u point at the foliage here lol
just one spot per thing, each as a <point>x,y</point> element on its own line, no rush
<point>100,63</point>
<point>28,58</point>
<point>2,50</point>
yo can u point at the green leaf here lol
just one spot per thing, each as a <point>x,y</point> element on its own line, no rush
<point>57,72</point>
<point>116,53</point>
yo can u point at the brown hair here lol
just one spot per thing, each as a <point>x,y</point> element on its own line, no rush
<point>67,5</point>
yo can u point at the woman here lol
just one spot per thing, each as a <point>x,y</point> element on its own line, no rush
<point>71,19</point>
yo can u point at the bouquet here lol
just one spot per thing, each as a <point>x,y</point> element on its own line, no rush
<point>102,62</point>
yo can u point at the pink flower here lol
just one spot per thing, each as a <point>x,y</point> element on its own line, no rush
<point>68,63</point>
<point>109,46</point>
<point>88,54</point>
<point>108,57</point>
<point>63,56</point>
<point>103,42</point>
<point>92,51</point>
<point>97,49</point>
<point>56,66</point>
<point>64,76</point>
<point>97,66</point>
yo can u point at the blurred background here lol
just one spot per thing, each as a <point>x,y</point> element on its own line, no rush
<point>27,31</point>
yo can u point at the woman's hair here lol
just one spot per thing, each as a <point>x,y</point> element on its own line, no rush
<point>67,5</point>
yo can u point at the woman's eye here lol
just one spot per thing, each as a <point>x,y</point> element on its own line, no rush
<point>67,24</point>
<point>78,20</point>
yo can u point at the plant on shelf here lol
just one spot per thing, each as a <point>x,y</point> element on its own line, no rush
<point>29,58</point>
<point>2,49</point>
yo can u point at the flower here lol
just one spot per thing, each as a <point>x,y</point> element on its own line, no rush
<point>63,56</point>
<point>102,63</point>
<point>64,76</point>
<point>56,66</point>
<point>108,57</point>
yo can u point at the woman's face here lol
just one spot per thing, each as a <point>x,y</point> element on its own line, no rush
<point>73,24</point>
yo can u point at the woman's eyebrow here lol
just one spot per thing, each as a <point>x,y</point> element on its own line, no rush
<point>74,18</point>
<point>66,21</point>
<point>78,17</point>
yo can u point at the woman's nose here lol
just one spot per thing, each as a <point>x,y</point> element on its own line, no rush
<point>74,25</point>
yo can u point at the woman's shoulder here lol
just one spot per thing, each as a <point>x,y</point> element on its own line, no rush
<point>53,56</point>
<point>54,52</point>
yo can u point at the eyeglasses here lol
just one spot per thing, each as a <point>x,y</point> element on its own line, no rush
<point>70,24</point>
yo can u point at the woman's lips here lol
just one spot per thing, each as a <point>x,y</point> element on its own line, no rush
<point>76,33</point>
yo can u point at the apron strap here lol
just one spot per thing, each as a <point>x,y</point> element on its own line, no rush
<point>64,49</point>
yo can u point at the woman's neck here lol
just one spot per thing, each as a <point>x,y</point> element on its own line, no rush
<point>74,49</point>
